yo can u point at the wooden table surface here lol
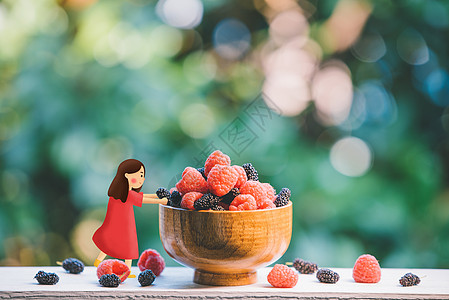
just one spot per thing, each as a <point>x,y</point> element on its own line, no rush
<point>176,283</point>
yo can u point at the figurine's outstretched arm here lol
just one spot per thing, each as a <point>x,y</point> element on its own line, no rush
<point>153,199</point>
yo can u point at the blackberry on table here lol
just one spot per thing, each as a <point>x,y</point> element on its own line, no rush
<point>73,265</point>
<point>283,197</point>
<point>229,197</point>
<point>205,202</point>
<point>162,193</point>
<point>251,172</point>
<point>409,279</point>
<point>201,170</point>
<point>175,199</point>
<point>46,278</point>
<point>304,267</point>
<point>109,280</point>
<point>327,276</point>
<point>146,277</point>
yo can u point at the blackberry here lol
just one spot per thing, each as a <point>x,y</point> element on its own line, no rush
<point>229,197</point>
<point>175,199</point>
<point>109,280</point>
<point>205,202</point>
<point>327,276</point>
<point>409,279</point>
<point>283,197</point>
<point>73,265</point>
<point>304,267</point>
<point>46,278</point>
<point>201,170</point>
<point>162,193</point>
<point>217,207</point>
<point>146,277</point>
<point>251,172</point>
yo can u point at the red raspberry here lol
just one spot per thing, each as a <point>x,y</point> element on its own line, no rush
<point>242,176</point>
<point>282,276</point>
<point>189,199</point>
<point>113,266</point>
<point>366,269</point>
<point>216,158</point>
<point>269,190</point>
<point>266,204</point>
<point>256,189</point>
<point>192,181</point>
<point>150,259</point>
<point>186,170</point>
<point>243,202</point>
<point>222,179</point>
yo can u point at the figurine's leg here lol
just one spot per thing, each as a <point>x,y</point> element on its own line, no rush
<point>100,258</point>
<point>128,262</point>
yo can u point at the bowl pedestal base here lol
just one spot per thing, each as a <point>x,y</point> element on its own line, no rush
<point>224,279</point>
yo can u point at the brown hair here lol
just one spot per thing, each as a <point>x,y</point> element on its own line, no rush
<point>119,187</point>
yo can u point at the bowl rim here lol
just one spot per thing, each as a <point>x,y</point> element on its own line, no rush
<point>227,211</point>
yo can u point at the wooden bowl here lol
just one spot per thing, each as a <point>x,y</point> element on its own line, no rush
<point>225,247</point>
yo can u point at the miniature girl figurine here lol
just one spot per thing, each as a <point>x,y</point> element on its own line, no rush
<point>117,236</point>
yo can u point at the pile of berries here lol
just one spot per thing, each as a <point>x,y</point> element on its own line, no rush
<point>366,270</point>
<point>222,186</point>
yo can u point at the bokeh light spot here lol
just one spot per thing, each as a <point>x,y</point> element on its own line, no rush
<point>351,156</point>
<point>184,14</point>
<point>369,48</point>
<point>231,39</point>
<point>412,47</point>
<point>288,91</point>
<point>197,121</point>
<point>332,92</point>
<point>288,25</point>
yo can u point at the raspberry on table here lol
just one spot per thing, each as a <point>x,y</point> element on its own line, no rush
<point>163,193</point>
<point>409,279</point>
<point>150,259</point>
<point>242,176</point>
<point>175,199</point>
<point>73,265</point>
<point>282,276</point>
<point>188,200</point>
<point>229,197</point>
<point>283,197</point>
<point>243,202</point>
<point>113,266</point>
<point>256,189</point>
<point>46,278</point>
<point>216,158</point>
<point>366,269</point>
<point>192,181</point>
<point>304,267</point>
<point>207,201</point>
<point>251,172</point>
<point>266,204</point>
<point>327,276</point>
<point>221,179</point>
<point>146,277</point>
<point>109,280</point>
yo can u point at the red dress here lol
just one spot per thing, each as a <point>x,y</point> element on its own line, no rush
<point>117,236</point>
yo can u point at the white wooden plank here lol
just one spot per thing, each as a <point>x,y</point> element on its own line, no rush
<point>176,283</point>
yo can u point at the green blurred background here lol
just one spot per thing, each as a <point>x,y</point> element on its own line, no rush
<point>342,101</point>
